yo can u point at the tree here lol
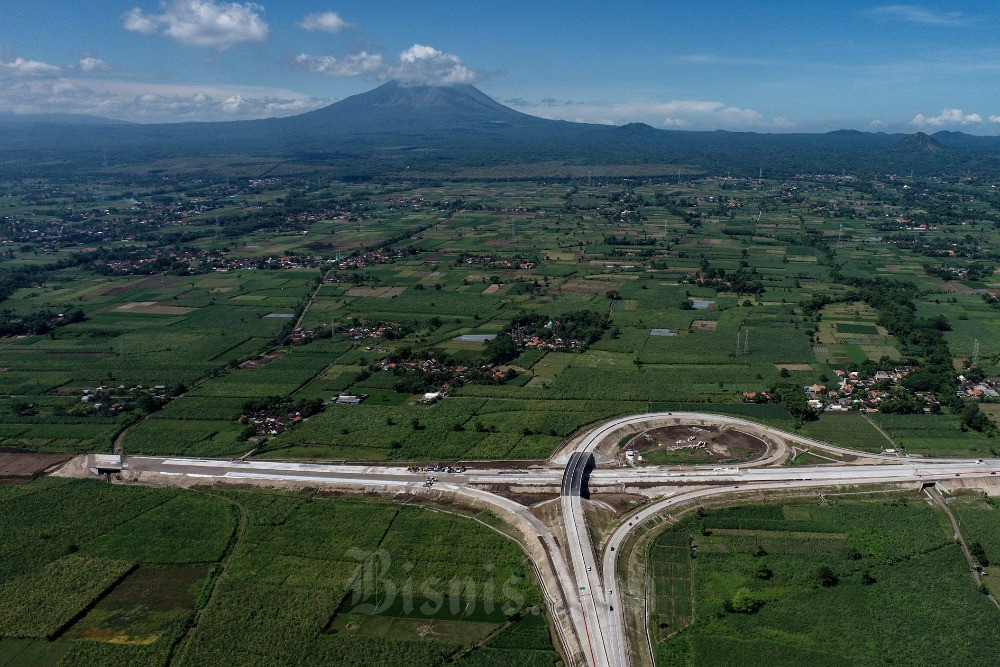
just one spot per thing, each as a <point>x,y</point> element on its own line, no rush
<point>500,350</point>
<point>979,553</point>
<point>795,402</point>
<point>744,602</point>
<point>825,577</point>
<point>762,571</point>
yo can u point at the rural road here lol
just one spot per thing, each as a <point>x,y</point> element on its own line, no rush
<point>579,582</point>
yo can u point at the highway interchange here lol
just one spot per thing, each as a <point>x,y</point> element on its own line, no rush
<point>579,581</point>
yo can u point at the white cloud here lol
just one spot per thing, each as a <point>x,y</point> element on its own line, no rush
<point>358,64</point>
<point>918,14</point>
<point>135,21</point>
<point>145,102</point>
<point>427,65</point>
<point>324,22</point>
<point>21,67</point>
<point>418,64</point>
<point>206,23</point>
<point>91,64</point>
<point>947,117</point>
<point>687,114</point>
<point>994,119</point>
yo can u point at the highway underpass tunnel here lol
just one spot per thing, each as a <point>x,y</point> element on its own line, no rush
<point>588,466</point>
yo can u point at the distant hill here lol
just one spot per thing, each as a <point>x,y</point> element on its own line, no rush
<point>921,143</point>
<point>445,129</point>
<point>7,117</point>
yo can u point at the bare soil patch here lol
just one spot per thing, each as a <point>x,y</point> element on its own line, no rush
<point>263,360</point>
<point>527,499</point>
<point>793,367</point>
<point>587,287</point>
<point>384,292</point>
<point>152,308</point>
<point>953,287</point>
<point>18,463</point>
<point>115,290</point>
<point>704,325</point>
<point>622,502</point>
<point>690,444</point>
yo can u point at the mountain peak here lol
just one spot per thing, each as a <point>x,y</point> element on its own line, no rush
<point>921,143</point>
<point>637,128</point>
<point>396,106</point>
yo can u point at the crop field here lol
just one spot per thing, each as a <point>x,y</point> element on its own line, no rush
<point>779,584</point>
<point>934,435</point>
<point>755,280</point>
<point>99,574</point>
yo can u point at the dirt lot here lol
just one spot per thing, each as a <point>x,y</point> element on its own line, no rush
<point>586,287</point>
<point>152,308</point>
<point>528,499</point>
<point>17,463</point>
<point>152,282</point>
<point>696,444</point>
<point>704,325</point>
<point>116,290</point>
<point>383,292</point>
<point>954,287</point>
<point>263,360</point>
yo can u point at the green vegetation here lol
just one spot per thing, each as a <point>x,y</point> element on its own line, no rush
<point>97,574</point>
<point>389,275</point>
<point>778,584</point>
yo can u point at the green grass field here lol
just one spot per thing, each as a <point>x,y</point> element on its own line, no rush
<point>743,585</point>
<point>95,574</point>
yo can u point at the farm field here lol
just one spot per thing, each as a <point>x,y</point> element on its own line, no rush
<point>98,574</point>
<point>728,294</point>
<point>776,584</point>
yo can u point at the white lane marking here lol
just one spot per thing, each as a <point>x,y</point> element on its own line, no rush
<point>327,480</point>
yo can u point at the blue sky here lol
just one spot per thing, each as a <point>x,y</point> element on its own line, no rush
<point>764,66</point>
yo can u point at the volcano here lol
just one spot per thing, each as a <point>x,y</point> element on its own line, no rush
<point>395,107</point>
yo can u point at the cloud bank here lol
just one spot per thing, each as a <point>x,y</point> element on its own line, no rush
<point>418,64</point>
<point>674,114</point>
<point>20,67</point>
<point>146,102</point>
<point>948,117</point>
<point>204,23</point>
